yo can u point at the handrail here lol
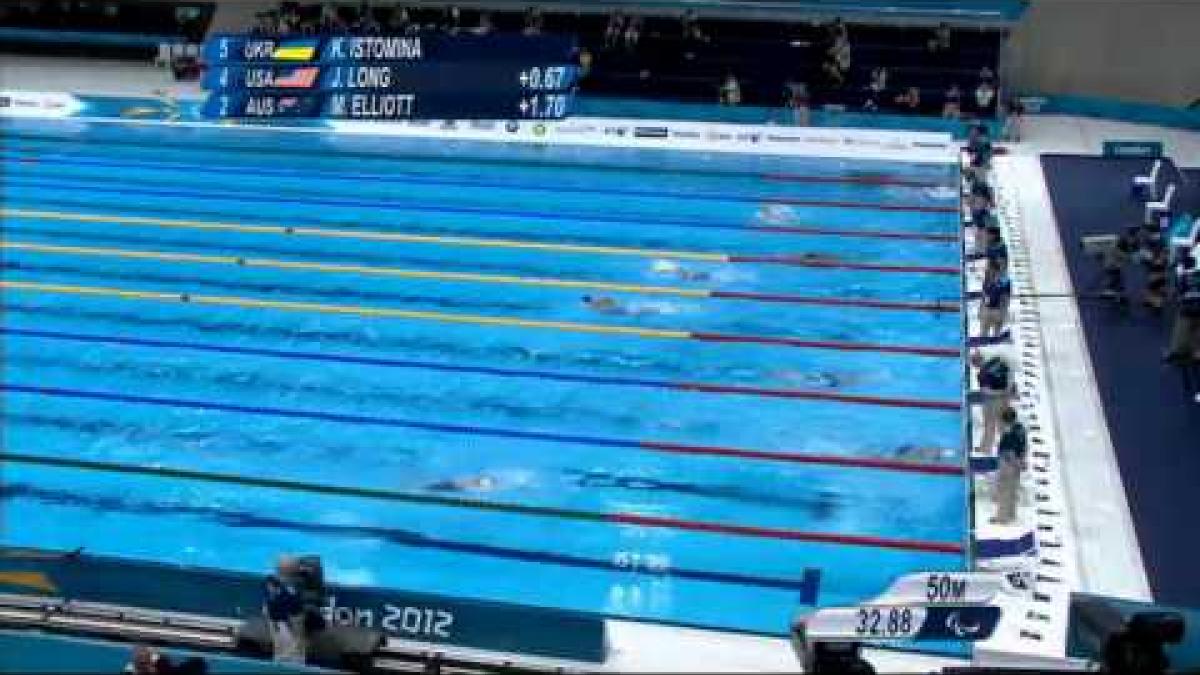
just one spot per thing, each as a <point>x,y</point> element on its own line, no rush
<point>131,624</point>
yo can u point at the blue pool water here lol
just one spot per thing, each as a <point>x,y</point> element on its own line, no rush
<point>393,339</point>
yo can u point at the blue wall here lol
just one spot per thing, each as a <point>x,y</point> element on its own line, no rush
<point>1125,111</point>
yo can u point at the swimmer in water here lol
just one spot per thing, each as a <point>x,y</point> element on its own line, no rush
<point>481,483</point>
<point>922,453</point>
<point>670,268</point>
<point>819,257</point>
<point>820,502</point>
<point>603,304</point>
<point>822,380</point>
<point>776,214</point>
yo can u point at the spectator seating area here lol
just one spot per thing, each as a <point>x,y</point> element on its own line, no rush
<point>667,57</point>
<point>689,58</point>
<point>100,28</point>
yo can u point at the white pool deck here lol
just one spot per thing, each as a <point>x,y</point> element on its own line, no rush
<point>1074,499</point>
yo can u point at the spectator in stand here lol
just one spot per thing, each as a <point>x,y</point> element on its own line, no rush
<point>909,101</point>
<point>688,23</point>
<point>731,91</point>
<point>835,78</point>
<point>398,22</point>
<point>996,390</point>
<point>871,100</point>
<point>985,98</point>
<point>837,31</point>
<point>879,78</point>
<point>993,307</point>
<point>485,24</point>
<point>796,98</point>
<point>1010,456</point>
<point>533,21</point>
<point>453,20</point>
<point>284,610</point>
<point>876,89</point>
<point>940,40</point>
<point>614,30</point>
<point>1185,334</point>
<point>1014,113</point>
<point>841,54</point>
<point>585,62</point>
<point>633,33</point>
<point>952,103</point>
<point>693,40</point>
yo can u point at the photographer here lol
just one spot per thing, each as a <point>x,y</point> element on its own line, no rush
<point>292,600</point>
<point>1115,258</point>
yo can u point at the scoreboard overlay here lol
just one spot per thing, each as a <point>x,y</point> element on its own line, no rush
<point>390,78</point>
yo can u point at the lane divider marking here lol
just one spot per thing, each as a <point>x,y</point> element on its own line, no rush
<point>902,466</point>
<point>418,178</point>
<point>483,242</point>
<point>64,183</point>
<point>487,505</point>
<point>700,387</point>
<point>472,277</point>
<point>478,319</point>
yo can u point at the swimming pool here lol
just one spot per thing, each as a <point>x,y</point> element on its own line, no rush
<point>769,418</point>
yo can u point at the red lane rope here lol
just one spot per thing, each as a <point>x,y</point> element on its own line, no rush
<point>792,535</point>
<point>859,234</point>
<point>820,396</point>
<point>853,180</point>
<point>806,458</point>
<point>800,261</point>
<point>829,344</point>
<point>837,302</point>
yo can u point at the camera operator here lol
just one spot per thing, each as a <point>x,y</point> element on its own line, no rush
<point>1185,334</point>
<point>1115,259</point>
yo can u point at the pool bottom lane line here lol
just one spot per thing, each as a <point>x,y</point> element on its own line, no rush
<point>877,463</point>
<point>620,518</point>
<point>701,387</point>
<point>475,319</point>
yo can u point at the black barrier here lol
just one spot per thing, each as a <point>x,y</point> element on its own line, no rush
<point>426,617</point>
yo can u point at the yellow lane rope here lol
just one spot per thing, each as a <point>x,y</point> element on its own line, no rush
<point>379,312</point>
<point>350,269</point>
<point>366,235</point>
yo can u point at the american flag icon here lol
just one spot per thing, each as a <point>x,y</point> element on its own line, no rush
<point>298,78</point>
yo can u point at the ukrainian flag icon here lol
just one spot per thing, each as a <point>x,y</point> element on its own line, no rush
<point>295,50</point>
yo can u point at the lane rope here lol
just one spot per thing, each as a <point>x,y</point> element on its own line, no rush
<point>171,256</point>
<point>902,466</point>
<point>476,319</point>
<point>486,505</point>
<point>482,242</point>
<point>418,178</point>
<point>700,387</point>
